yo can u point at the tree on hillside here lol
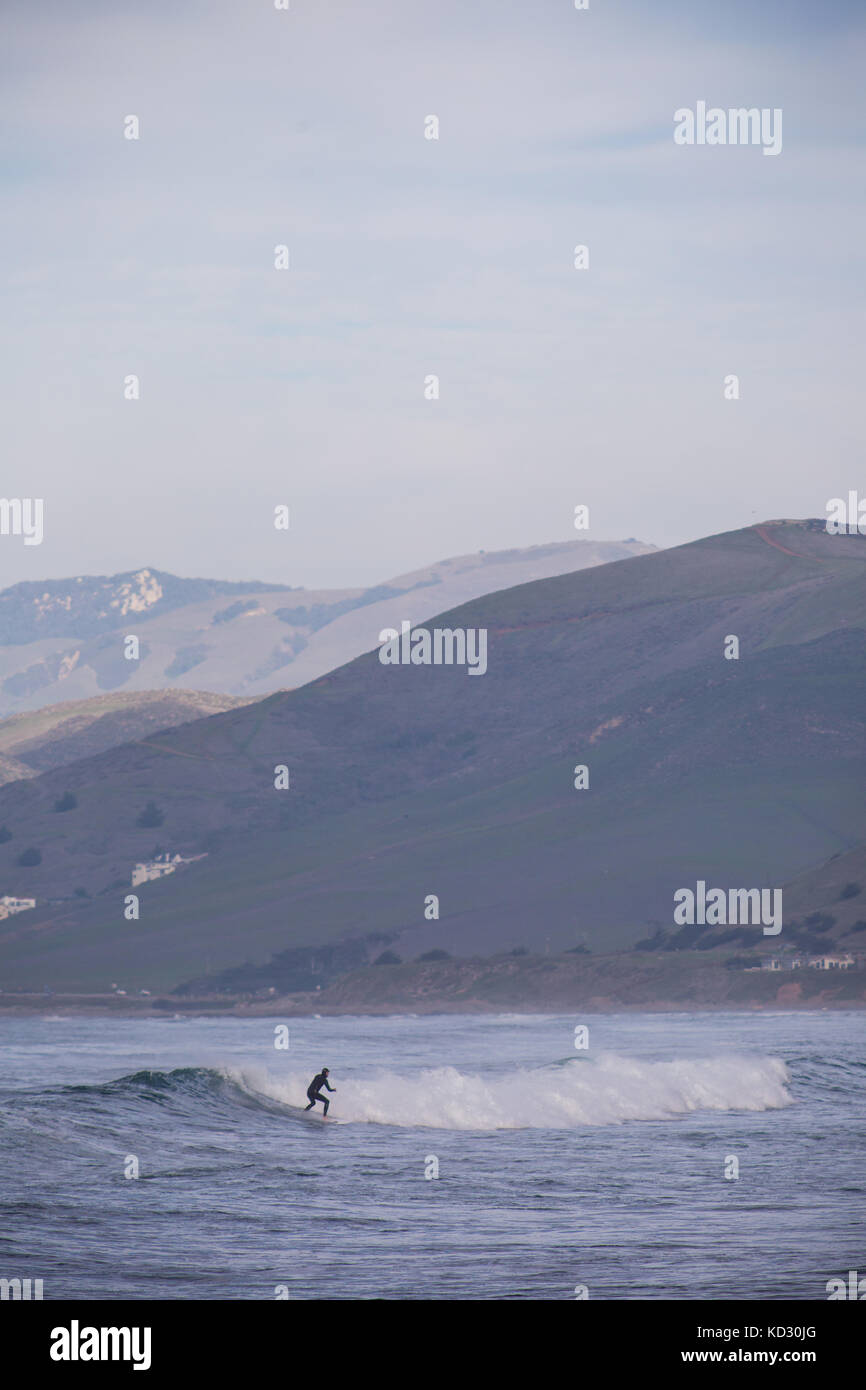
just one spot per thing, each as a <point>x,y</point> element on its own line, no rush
<point>67,802</point>
<point>150,816</point>
<point>30,857</point>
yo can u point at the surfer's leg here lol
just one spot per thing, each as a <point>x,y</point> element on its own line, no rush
<point>326,1103</point>
<point>310,1106</point>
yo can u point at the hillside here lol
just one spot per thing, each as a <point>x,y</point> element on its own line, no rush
<point>408,781</point>
<point>552,984</point>
<point>825,913</point>
<point>63,640</point>
<point>49,738</point>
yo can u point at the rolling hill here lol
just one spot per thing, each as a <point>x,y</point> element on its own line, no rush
<point>407,781</point>
<point>49,738</point>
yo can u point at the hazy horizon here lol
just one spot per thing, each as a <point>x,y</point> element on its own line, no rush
<point>410,257</point>
<point>420,564</point>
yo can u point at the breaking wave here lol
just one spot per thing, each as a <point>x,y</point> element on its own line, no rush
<point>608,1090</point>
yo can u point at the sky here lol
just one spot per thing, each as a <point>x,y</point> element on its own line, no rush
<point>411,257</point>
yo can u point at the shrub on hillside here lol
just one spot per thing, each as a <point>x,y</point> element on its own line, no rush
<point>820,921</point>
<point>741,962</point>
<point>654,942</point>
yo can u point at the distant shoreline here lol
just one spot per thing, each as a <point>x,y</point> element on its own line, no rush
<point>290,1006</point>
<point>628,982</point>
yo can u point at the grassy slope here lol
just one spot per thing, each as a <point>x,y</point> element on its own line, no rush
<point>36,741</point>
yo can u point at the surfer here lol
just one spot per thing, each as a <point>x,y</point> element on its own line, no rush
<point>315,1088</point>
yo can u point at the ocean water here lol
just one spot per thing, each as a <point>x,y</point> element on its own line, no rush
<point>559,1170</point>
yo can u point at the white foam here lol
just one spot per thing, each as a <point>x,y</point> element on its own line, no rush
<point>607,1090</point>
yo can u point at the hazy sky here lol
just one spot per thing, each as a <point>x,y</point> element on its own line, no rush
<point>410,257</point>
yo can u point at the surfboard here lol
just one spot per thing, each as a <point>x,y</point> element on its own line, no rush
<point>314,1116</point>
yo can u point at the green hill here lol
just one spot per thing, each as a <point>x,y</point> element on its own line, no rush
<point>49,738</point>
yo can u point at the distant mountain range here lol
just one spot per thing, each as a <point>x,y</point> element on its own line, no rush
<point>412,780</point>
<point>63,639</point>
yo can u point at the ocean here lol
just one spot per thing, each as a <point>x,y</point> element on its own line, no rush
<point>477,1157</point>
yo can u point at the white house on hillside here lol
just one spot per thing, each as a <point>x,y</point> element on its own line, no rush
<point>812,962</point>
<point>10,905</point>
<point>832,962</point>
<point>159,867</point>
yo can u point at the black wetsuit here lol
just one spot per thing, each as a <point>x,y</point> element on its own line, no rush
<point>314,1091</point>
